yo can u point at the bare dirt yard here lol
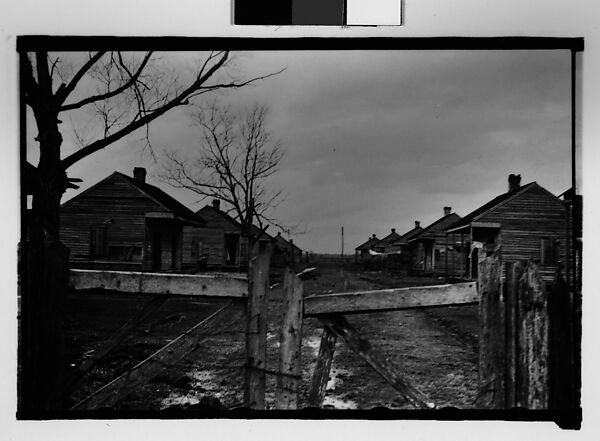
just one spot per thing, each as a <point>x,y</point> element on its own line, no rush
<point>435,349</point>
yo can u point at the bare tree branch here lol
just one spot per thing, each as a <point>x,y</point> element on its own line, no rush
<point>233,162</point>
<point>132,80</point>
<point>66,89</point>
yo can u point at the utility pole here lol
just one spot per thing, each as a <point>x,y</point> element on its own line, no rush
<point>342,272</point>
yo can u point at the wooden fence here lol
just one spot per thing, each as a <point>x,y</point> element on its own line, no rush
<point>526,342</point>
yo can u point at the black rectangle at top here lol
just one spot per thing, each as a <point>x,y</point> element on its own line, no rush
<point>263,12</point>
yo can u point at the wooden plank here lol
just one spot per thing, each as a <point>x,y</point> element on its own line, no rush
<point>533,339</point>
<point>288,381</point>
<point>116,339</point>
<point>338,324</point>
<point>491,333</point>
<point>209,285</point>
<point>322,368</point>
<point>256,327</point>
<point>391,299</point>
<point>147,369</point>
<point>513,272</point>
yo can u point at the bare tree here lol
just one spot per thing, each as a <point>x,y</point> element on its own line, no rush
<point>233,163</point>
<point>125,92</point>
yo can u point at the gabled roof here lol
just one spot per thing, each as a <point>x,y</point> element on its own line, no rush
<point>156,194</point>
<point>387,240</point>
<point>168,202</point>
<point>368,244</point>
<point>284,243</point>
<point>436,227</point>
<point>408,236</point>
<point>489,206</point>
<point>209,211</point>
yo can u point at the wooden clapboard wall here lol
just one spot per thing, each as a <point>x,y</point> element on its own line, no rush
<point>112,202</point>
<point>526,219</point>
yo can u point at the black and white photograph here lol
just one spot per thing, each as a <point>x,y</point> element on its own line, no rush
<point>342,230</point>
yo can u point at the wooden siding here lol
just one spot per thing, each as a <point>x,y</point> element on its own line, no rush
<point>112,202</point>
<point>118,205</point>
<point>429,250</point>
<point>526,219</point>
<point>213,244</point>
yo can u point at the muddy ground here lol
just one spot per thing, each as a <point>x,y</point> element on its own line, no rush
<point>436,349</point>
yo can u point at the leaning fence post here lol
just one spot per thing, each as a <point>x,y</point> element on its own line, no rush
<point>491,332</point>
<point>322,368</point>
<point>288,380</point>
<point>256,326</point>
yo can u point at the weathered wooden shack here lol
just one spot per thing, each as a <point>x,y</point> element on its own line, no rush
<point>285,252</point>
<point>401,245</point>
<point>124,223</point>
<point>574,206</point>
<point>380,246</point>
<point>528,222</point>
<point>361,252</point>
<point>428,246</point>
<point>226,246</point>
<point>399,253</point>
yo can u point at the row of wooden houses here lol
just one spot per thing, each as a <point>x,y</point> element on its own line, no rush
<point>525,222</point>
<point>125,223</point>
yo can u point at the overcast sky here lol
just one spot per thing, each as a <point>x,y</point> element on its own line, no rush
<point>378,139</point>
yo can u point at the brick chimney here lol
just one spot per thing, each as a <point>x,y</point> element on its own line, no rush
<point>216,204</point>
<point>393,230</point>
<point>447,211</point>
<point>514,182</point>
<point>417,224</point>
<point>139,174</point>
<point>374,236</point>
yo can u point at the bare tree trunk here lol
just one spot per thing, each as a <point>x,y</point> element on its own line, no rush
<point>45,280</point>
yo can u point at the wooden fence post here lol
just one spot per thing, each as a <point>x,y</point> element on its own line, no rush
<point>533,340</point>
<point>288,380</point>
<point>338,324</point>
<point>256,326</point>
<point>322,368</point>
<point>491,332</point>
<point>513,272</point>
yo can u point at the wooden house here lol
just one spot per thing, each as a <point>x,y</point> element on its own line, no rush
<point>399,252</point>
<point>528,222</point>
<point>226,247</point>
<point>428,246</point>
<point>401,245</point>
<point>124,223</point>
<point>285,252</point>
<point>361,252</point>
<point>574,206</point>
<point>380,246</point>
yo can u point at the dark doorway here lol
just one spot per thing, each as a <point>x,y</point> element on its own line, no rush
<point>156,250</point>
<point>232,242</point>
<point>474,262</point>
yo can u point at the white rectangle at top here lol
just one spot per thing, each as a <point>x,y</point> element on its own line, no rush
<point>374,12</point>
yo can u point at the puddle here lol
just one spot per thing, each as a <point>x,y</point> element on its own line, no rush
<point>336,378</point>
<point>175,399</point>
<point>203,380</point>
<point>338,403</point>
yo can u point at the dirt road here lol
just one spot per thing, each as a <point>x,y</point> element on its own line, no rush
<point>434,349</point>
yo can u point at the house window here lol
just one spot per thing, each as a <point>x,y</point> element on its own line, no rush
<point>549,251</point>
<point>98,241</point>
